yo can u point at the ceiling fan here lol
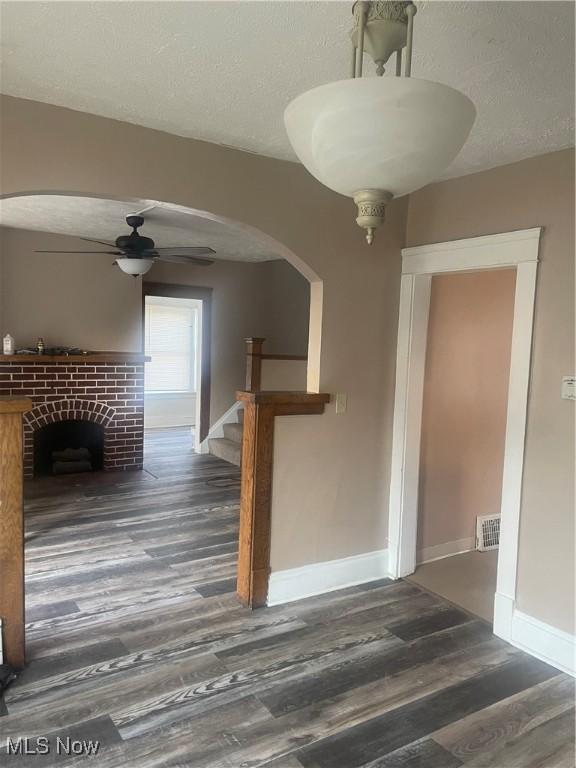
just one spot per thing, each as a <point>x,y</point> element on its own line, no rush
<point>138,253</point>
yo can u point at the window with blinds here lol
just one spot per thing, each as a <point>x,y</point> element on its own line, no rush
<point>170,340</point>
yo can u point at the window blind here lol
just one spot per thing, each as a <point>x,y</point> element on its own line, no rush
<point>170,337</point>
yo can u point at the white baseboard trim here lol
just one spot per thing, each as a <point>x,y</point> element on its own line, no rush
<point>541,640</point>
<point>318,578</point>
<point>547,643</point>
<point>448,549</point>
<point>217,429</point>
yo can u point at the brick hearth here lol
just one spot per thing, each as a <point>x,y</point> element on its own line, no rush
<point>104,388</point>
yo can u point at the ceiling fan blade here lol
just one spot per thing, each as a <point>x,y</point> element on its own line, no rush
<point>105,253</point>
<point>175,258</point>
<point>100,242</point>
<point>191,250</point>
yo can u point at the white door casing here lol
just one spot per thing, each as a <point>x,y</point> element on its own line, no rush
<point>512,249</point>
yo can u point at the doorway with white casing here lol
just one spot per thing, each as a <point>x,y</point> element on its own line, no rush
<point>506,264</point>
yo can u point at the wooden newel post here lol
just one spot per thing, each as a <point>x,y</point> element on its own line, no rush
<point>260,411</point>
<point>12,529</point>
<point>254,363</point>
<point>255,504</point>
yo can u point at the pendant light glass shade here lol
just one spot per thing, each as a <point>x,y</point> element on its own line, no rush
<point>132,266</point>
<point>389,135</point>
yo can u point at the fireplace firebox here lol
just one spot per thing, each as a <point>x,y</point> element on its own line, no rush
<point>68,446</point>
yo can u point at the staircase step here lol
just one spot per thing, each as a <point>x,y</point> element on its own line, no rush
<point>228,450</point>
<point>234,432</point>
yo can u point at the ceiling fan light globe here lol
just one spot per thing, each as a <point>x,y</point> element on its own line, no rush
<point>135,267</point>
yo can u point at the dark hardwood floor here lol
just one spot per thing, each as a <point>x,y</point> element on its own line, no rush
<point>136,639</point>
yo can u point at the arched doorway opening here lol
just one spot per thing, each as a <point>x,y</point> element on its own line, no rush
<point>73,217</point>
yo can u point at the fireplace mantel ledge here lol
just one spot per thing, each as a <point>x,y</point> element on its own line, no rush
<point>90,357</point>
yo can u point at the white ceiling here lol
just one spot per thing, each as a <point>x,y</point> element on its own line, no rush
<point>103,219</point>
<point>224,71</point>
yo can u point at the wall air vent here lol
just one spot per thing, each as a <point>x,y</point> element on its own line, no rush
<point>487,532</point>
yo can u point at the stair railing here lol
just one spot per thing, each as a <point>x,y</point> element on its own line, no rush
<point>260,411</point>
<point>254,357</point>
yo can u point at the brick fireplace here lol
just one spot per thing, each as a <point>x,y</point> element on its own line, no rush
<point>104,388</point>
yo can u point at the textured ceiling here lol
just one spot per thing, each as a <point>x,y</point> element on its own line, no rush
<point>224,71</point>
<point>102,219</point>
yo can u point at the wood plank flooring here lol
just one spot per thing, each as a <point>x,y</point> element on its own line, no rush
<point>136,640</point>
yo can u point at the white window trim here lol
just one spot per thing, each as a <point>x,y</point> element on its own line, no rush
<point>199,305</point>
<point>511,249</point>
<point>195,368</point>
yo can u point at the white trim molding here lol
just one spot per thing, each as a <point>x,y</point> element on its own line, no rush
<point>503,613</point>
<point>511,249</point>
<point>542,640</point>
<point>410,361</point>
<point>487,252</point>
<point>517,409</point>
<point>231,416</point>
<point>448,549</point>
<point>318,578</point>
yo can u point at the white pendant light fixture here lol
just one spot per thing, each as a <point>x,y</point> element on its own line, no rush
<point>134,266</point>
<point>377,138</point>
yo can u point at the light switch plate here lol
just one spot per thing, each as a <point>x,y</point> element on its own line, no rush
<point>341,403</point>
<point>569,388</point>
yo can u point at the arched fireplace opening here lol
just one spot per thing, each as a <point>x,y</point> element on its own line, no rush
<point>68,446</point>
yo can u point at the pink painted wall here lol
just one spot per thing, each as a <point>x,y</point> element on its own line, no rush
<point>465,400</point>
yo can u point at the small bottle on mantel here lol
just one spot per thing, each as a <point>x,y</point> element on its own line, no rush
<point>40,346</point>
<point>8,344</point>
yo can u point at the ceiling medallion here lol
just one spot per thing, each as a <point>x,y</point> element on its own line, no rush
<point>376,138</point>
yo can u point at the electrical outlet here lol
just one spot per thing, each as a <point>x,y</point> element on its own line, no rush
<point>341,403</point>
